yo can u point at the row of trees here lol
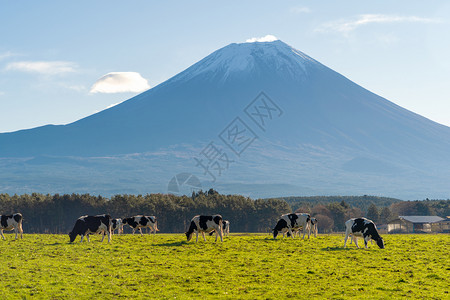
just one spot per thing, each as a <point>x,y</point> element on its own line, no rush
<point>58,213</point>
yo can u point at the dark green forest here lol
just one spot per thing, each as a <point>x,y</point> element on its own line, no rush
<point>361,202</point>
<point>58,213</point>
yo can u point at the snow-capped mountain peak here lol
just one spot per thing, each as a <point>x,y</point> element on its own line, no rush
<point>252,57</point>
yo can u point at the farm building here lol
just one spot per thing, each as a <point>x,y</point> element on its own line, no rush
<point>441,226</point>
<point>417,224</point>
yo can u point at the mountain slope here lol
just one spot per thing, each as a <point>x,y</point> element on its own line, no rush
<point>325,119</point>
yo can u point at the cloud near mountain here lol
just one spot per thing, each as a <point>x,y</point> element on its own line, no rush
<point>267,38</point>
<point>43,67</point>
<point>120,82</point>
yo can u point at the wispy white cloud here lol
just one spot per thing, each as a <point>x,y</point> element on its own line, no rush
<point>346,26</point>
<point>267,38</point>
<point>73,87</point>
<point>43,67</point>
<point>300,10</point>
<point>120,82</point>
<point>6,55</point>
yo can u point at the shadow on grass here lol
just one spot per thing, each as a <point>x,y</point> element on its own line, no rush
<point>171,244</point>
<point>56,244</point>
<point>335,249</point>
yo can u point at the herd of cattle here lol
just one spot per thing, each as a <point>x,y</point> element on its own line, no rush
<point>289,224</point>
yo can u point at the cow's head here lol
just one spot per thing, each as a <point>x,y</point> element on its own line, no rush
<point>189,235</point>
<point>275,233</point>
<point>72,236</point>
<point>380,243</point>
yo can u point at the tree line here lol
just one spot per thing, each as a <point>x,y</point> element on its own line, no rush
<point>58,213</point>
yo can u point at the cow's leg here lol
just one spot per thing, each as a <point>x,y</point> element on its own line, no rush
<point>109,235</point>
<point>82,236</point>
<point>356,241</point>
<point>220,234</point>
<point>134,230</point>
<point>203,234</point>
<point>16,232</point>
<point>140,230</point>
<point>346,237</point>
<point>366,241</point>
<point>196,233</point>
<point>291,233</point>
<point>103,236</point>
<point>3,237</point>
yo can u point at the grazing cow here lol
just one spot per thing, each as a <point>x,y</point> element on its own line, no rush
<point>116,224</point>
<point>86,225</point>
<point>314,226</point>
<point>292,222</point>
<point>365,228</point>
<point>11,222</point>
<point>205,224</point>
<point>140,221</point>
<point>225,228</point>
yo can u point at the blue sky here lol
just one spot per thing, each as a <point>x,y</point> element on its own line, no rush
<point>61,61</point>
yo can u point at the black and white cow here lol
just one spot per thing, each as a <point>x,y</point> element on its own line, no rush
<point>362,227</point>
<point>86,225</point>
<point>116,224</point>
<point>140,221</point>
<point>206,224</point>
<point>225,228</point>
<point>314,226</point>
<point>292,222</point>
<point>11,222</point>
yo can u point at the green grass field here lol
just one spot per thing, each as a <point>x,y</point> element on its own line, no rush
<point>252,266</point>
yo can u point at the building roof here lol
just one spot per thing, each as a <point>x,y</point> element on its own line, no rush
<point>447,219</point>
<point>421,219</point>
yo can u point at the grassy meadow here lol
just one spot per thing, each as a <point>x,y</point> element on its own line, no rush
<point>252,266</point>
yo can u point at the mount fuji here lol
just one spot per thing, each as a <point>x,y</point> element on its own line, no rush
<point>260,119</point>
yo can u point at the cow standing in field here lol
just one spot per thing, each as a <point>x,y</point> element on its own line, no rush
<point>206,224</point>
<point>116,224</point>
<point>11,222</point>
<point>86,225</point>
<point>140,221</point>
<point>225,228</point>
<point>365,228</point>
<point>314,226</point>
<point>292,222</point>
